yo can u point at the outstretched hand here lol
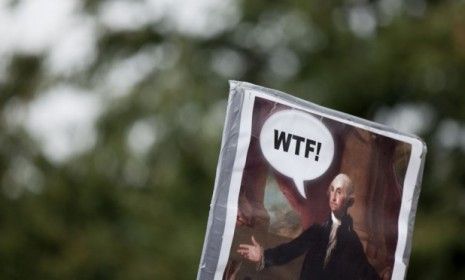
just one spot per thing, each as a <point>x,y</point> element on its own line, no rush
<point>253,252</point>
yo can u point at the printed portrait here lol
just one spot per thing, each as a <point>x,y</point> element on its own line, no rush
<point>337,219</point>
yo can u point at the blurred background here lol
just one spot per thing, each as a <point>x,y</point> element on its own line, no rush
<point>111,115</point>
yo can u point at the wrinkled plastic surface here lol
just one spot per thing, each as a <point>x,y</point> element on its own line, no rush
<point>257,195</point>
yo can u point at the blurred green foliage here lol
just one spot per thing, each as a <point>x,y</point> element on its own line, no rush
<point>116,211</point>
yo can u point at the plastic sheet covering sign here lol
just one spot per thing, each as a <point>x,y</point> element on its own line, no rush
<point>306,192</point>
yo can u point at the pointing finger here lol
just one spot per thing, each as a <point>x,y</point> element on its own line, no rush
<point>245,246</point>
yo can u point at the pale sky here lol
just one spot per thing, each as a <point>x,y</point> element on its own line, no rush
<point>62,117</point>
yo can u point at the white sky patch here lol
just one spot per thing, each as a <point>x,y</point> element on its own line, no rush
<point>125,73</point>
<point>302,32</point>
<point>275,30</point>
<point>124,15</point>
<point>406,117</point>
<point>67,35</point>
<point>449,134</point>
<point>269,33</point>
<point>202,18</point>
<point>284,63</point>
<point>362,21</point>
<point>75,50</point>
<point>142,135</point>
<point>228,63</point>
<point>58,29</point>
<point>33,26</point>
<point>62,120</point>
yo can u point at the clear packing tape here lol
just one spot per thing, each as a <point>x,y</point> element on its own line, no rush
<point>288,171</point>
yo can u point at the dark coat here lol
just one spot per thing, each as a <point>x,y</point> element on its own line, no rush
<point>348,260</point>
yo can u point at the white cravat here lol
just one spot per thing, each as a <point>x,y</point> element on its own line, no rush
<point>332,238</point>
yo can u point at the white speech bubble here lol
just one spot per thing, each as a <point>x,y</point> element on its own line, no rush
<point>297,145</point>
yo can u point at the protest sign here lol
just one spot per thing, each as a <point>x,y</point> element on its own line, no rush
<point>306,192</point>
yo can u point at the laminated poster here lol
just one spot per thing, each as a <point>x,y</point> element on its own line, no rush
<point>306,192</point>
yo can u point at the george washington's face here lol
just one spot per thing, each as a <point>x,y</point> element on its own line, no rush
<point>338,198</point>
